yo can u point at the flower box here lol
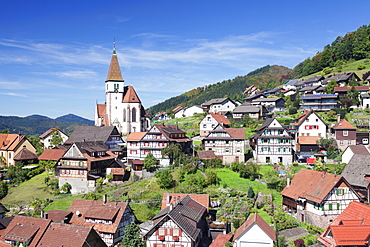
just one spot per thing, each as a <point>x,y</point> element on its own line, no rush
<point>162,238</point>
<point>176,238</point>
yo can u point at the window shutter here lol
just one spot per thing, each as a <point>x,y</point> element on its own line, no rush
<point>330,206</point>
<point>180,232</point>
<point>337,191</point>
<point>154,245</point>
<point>171,232</point>
<point>342,191</point>
<point>338,206</point>
<point>157,233</point>
<point>165,231</point>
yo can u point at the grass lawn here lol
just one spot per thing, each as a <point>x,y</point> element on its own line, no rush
<point>233,180</point>
<point>62,202</point>
<point>28,191</point>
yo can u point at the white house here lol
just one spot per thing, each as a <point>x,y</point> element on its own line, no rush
<point>365,100</point>
<point>210,121</point>
<point>272,143</point>
<point>188,111</point>
<point>219,104</point>
<point>180,225</point>
<point>48,135</point>
<point>317,197</point>
<point>254,232</point>
<point>228,144</point>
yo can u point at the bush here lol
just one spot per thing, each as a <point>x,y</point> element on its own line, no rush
<point>361,67</point>
<point>292,110</point>
<point>165,179</point>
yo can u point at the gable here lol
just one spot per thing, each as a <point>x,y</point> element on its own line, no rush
<point>254,234</point>
<point>73,152</point>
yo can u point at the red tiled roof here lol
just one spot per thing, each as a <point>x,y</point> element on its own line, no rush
<point>255,219</point>
<point>10,141</point>
<point>312,185</point>
<point>343,124</point>
<point>206,154</point>
<point>236,133</point>
<point>114,72</point>
<point>131,97</point>
<point>346,88</point>
<point>65,235</point>
<point>307,139</point>
<point>52,154</point>
<point>25,227</point>
<point>135,136</point>
<point>221,240</point>
<point>25,154</point>
<point>98,207</point>
<point>220,118</point>
<point>202,199</point>
<point>350,228</point>
<point>58,215</point>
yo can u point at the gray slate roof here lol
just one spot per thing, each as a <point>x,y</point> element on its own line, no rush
<point>246,108</point>
<point>271,99</point>
<point>291,82</point>
<point>357,168</point>
<point>186,214</point>
<point>91,133</point>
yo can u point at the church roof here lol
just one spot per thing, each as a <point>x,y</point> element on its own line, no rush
<point>114,72</point>
<point>130,95</point>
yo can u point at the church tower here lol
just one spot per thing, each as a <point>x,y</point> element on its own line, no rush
<point>122,106</point>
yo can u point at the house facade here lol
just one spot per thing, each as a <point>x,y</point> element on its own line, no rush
<point>308,129</point>
<point>317,197</point>
<point>272,143</point>
<point>210,121</point>
<point>13,144</point>
<point>227,143</point>
<point>350,228</point>
<point>181,225</point>
<point>256,112</point>
<point>122,107</point>
<point>319,102</point>
<point>272,104</point>
<point>82,164</point>
<point>254,232</point>
<point>344,134</point>
<point>219,104</point>
<point>155,140</point>
<point>47,137</point>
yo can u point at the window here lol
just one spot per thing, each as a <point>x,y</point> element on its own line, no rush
<point>341,142</point>
<point>349,142</point>
<point>204,125</point>
<point>345,132</point>
<point>339,192</point>
<point>133,115</point>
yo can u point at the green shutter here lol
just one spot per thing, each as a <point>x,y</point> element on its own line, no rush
<point>330,206</point>
<point>322,208</point>
<point>338,206</point>
<point>336,191</point>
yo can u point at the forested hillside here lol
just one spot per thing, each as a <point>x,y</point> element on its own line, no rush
<point>266,77</point>
<point>34,125</point>
<point>353,46</point>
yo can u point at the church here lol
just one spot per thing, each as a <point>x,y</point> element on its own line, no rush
<point>122,107</point>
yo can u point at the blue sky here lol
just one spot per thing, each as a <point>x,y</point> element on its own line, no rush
<point>54,55</point>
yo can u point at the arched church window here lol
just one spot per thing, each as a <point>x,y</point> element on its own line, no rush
<point>124,115</point>
<point>133,114</point>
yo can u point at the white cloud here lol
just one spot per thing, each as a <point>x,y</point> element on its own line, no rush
<point>15,94</point>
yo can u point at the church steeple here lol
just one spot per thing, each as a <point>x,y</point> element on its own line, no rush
<point>114,72</point>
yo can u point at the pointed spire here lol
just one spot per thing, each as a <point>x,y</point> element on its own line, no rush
<point>114,72</point>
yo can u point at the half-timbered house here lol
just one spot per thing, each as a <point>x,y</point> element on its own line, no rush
<point>317,197</point>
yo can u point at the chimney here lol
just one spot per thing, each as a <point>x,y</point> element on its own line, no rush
<point>46,215</point>
<point>178,200</point>
<point>287,181</point>
<point>338,118</point>
<point>42,214</point>
<point>168,199</point>
<point>323,173</point>
<point>104,198</point>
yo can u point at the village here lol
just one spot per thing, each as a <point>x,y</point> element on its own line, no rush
<point>313,160</point>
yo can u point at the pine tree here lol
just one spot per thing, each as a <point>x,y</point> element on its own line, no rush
<point>132,236</point>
